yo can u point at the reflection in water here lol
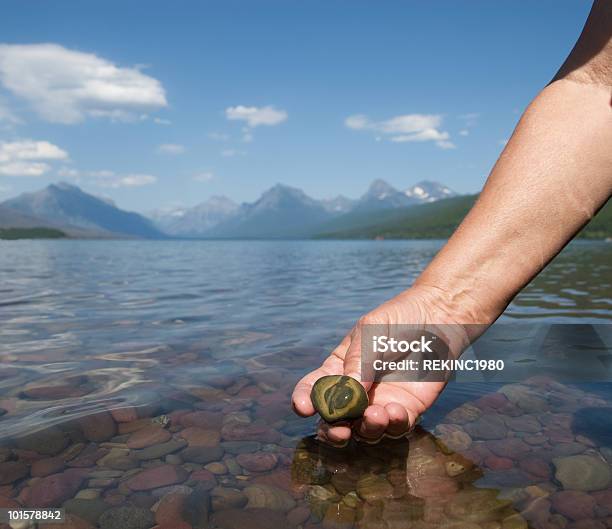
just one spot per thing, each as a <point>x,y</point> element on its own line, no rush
<point>398,483</point>
<point>148,383</point>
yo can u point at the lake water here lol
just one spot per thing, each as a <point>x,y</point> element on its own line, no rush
<point>146,383</point>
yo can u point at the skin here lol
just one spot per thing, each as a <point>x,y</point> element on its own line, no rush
<point>551,179</point>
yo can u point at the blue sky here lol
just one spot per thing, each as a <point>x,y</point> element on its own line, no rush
<point>160,103</point>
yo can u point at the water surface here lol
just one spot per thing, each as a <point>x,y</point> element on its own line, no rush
<point>197,345</point>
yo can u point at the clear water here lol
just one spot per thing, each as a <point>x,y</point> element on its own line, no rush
<point>159,330</point>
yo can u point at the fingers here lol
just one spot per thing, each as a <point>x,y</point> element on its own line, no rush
<point>334,434</point>
<point>352,359</point>
<point>392,420</point>
<point>399,419</point>
<point>300,399</point>
<point>373,424</point>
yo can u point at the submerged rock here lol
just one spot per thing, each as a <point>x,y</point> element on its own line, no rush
<point>268,497</point>
<point>582,472</point>
<point>128,517</point>
<point>12,471</point>
<point>339,397</point>
<point>153,478</point>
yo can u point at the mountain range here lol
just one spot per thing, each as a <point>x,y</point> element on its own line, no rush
<point>284,212</point>
<point>67,207</point>
<point>425,210</point>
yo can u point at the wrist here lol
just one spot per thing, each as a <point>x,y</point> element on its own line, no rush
<point>453,303</point>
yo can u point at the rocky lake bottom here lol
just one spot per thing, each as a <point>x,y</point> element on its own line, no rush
<point>143,397</point>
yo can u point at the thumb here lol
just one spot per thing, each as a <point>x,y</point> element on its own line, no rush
<point>352,359</point>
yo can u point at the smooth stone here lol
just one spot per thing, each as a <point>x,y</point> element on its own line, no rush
<point>268,497</point>
<point>53,490</point>
<point>455,440</point>
<point>200,437</point>
<point>524,397</point>
<point>488,426</point>
<point>87,509</point>
<point>173,459</point>
<point>511,447</point>
<point>119,462</point>
<point>172,489</point>
<point>523,423</point>
<point>202,419</point>
<point>536,467</point>
<point>88,494</point>
<point>158,451</point>
<point>567,449</point>
<point>227,498</point>
<point>464,413</point>
<point>319,499</point>
<point>233,467</point>
<point>44,467</point>
<point>49,442</point>
<point>101,483</point>
<point>574,504</point>
<point>169,509</point>
<point>156,477</point>
<point>235,431</point>
<point>476,506</point>
<point>127,517</point>
<point>196,510</point>
<point>202,454</point>
<point>150,435</point>
<point>258,462</point>
<point>498,463</point>
<point>338,398</point>
<point>372,487</point>
<point>582,472</point>
<point>216,468</point>
<point>122,415</point>
<point>203,476</point>
<point>88,456</point>
<point>105,474</point>
<point>11,471</point>
<point>240,447</point>
<point>98,427</point>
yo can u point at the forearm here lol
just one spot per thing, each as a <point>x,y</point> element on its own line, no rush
<point>553,176</point>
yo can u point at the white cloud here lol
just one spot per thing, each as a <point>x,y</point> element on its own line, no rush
<point>404,128</point>
<point>204,176</point>
<point>162,121</point>
<point>171,148</point>
<point>28,157</point>
<point>130,180</point>
<point>66,86</point>
<point>5,189</point>
<point>230,153</point>
<point>464,132</point>
<point>256,116</point>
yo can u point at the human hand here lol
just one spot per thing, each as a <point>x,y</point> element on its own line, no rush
<point>394,406</point>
